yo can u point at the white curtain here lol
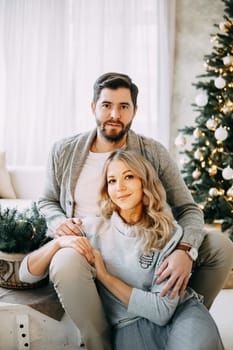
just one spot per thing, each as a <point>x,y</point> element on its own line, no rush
<point>51,52</point>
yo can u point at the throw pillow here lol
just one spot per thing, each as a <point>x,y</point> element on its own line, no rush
<point>6,188</point>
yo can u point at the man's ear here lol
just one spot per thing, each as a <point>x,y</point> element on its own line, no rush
<point>135,110</point>
<point>92,107</point>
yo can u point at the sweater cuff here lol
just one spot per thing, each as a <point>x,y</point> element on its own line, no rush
<point>193,237</point>
<point>26,276</point>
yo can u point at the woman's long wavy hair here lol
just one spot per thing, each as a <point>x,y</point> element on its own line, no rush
<point>157,222</point>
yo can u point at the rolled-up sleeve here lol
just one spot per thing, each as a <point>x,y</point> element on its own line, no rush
<point>25,275</point>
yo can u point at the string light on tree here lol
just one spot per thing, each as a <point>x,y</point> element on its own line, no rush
<point>203,164</point>
<point>213,170</point>
<point>229,103</point>
<point>221,192</point>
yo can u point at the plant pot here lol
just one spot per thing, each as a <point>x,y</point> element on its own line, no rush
<point>9,272</point>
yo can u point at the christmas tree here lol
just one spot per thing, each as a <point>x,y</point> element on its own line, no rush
<point>207,147</point>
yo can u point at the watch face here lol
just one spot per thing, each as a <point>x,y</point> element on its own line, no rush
<point>193,253</point>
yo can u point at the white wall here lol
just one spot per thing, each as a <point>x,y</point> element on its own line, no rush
<point>194,25</point>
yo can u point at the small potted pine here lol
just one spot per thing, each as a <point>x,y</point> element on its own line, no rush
<point>20,233</point>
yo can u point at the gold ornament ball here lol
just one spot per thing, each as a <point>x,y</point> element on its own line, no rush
<point>213,170</point>
<point>221,192</point>
<point>211,124</point>
<point>197,133</point>
<point>198,154</point>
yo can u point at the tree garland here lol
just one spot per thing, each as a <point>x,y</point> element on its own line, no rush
<point>21,232</point>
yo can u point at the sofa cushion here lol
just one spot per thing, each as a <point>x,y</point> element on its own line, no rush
<point>6,188</point>
<point>28,181</point>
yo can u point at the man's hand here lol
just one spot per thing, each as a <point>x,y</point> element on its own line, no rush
<point>177,269</point>
<point>68,227</point>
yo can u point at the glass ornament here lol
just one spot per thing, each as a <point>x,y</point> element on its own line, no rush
<point>180,140</point>
<point>227,173</point>
<point>201,99</point>
<point>196,174</point>
<point>230,192</point>
<point>220,83</point>
<point>221,134</point>
<point>213,192</point>
<point>227,60</point>
<point>198,154</point>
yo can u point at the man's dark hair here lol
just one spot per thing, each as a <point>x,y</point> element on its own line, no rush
<point>115,81</point>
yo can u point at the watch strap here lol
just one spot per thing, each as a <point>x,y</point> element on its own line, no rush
<point>189,250</point>
<point>184,247</point>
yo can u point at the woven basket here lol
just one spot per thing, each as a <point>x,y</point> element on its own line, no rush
<point>9,272</point>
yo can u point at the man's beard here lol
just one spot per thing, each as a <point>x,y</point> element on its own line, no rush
<point>114,137</point>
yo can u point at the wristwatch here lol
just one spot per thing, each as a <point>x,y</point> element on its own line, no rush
<point>191,251</point>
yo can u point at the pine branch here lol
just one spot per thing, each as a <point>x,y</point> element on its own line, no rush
<point>21,232</point>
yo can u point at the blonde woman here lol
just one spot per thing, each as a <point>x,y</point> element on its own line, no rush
<point>121,252</point>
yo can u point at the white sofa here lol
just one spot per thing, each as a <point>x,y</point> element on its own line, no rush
<point>27,183</point>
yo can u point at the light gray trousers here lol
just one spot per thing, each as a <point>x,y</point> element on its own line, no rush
<point>73,280</point>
